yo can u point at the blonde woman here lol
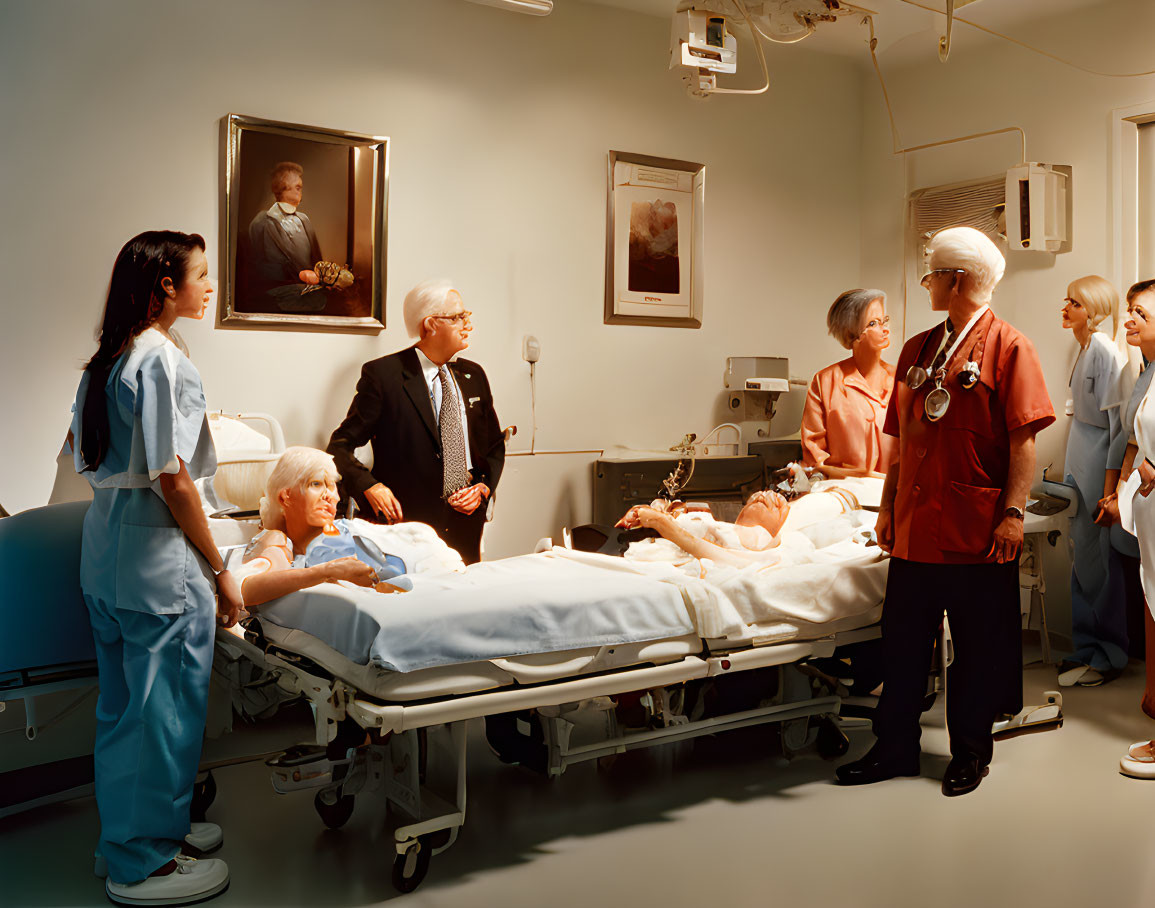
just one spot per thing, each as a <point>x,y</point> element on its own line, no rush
<point>1098,618</point>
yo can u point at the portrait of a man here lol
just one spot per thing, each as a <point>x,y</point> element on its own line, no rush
<point>283,243</point>
<point>306,225</point>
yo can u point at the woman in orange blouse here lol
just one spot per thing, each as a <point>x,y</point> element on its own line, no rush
<point>846,404</point>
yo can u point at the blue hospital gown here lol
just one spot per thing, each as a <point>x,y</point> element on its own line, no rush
<point>151,598</point>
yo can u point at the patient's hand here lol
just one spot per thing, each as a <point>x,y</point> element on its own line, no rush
<point>652,518</point>
<point>466,500</point>
<point>382,500</point>
<point>351,569</point>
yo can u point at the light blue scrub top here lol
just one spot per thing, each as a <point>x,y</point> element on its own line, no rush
<point>1096,395</point>
<point>156,415</point>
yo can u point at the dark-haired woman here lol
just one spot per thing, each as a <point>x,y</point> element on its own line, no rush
<point>148,572</point>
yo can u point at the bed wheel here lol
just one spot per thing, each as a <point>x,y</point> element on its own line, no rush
<point>832,743</point>
<point>336,814</point>
<point>409,869</point>
<point>204,793</point>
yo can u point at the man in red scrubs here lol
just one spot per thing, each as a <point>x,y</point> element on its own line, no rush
<point>969,398</point>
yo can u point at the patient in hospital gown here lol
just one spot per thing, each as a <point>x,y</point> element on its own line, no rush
<point>303,544</point>
<point>767,532</point>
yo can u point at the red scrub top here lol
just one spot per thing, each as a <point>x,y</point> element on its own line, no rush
<point>952,473</point>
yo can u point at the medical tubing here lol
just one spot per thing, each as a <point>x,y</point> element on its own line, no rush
<point>1023,44</point>
<point>754,33</point>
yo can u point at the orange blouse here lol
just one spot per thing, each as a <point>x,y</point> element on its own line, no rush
<point>843,418</point>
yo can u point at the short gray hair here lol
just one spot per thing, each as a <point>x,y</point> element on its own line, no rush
<point>971,251</point>
<point>296,467</point>
<point>844,320</point>
<point>426,299</point>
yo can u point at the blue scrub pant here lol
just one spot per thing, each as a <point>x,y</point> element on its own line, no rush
<point>150,722</point>
<point>1098,611</point>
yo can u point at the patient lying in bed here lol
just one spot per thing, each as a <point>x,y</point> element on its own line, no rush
<point>747,540</point>
<point>301,533</point>
<point>755,536</point>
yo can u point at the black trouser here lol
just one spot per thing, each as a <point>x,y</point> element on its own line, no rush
<point>986,676</point>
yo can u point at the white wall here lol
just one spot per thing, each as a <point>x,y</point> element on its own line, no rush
<point>500,128</point>
<point>1066,114</point>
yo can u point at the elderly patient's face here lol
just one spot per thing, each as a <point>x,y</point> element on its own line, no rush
<point>313,504</point>
<point>764,509</point>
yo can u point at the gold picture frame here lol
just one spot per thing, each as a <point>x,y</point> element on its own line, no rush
<point>329,191</point>
<point>655,211</point>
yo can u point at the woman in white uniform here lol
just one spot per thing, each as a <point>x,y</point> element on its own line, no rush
<point>1138,510</point>
<point>149,571</point>
<point>1098,619</point>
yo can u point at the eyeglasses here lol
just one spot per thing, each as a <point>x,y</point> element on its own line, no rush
<point>882,323</point>
<point>1072,302</point>
<point>925,280</point>
<point>462,316</point>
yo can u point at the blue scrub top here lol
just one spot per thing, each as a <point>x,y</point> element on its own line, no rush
<point>1096,396</point>
<point>156,413</point>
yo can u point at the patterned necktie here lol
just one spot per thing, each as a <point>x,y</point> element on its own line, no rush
<point>455,475</point>
<point>940,359</point>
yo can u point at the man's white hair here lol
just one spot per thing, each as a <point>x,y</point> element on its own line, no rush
<point>296,467</point>
<point>972,251</point>
<point>426,299</point>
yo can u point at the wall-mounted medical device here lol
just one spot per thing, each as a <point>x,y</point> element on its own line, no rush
<point>1038,208</point>
<point>753,385</point>
<point>700,41</point>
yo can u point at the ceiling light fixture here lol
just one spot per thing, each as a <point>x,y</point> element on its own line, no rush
<point>529,7</point>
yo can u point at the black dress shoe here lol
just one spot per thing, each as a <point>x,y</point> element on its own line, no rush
<point>963,775</point>
<point>875,768</point>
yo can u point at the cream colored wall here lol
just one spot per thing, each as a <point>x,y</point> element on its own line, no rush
<point>1066,114</point>
<point>500,126</point>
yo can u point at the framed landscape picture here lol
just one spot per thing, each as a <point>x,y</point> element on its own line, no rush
<point>654,241</point>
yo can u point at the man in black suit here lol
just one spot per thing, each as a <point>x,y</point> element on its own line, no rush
<point>431,463</point>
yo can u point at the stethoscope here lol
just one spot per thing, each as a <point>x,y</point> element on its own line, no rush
<point>937,402</point>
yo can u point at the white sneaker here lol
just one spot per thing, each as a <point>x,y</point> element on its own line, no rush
<point>203,838</point>
<point>193,881</point>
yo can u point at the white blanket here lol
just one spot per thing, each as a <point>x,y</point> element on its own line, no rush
<point>817,580</point>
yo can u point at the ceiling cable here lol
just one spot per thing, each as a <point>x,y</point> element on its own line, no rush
<point>897,143</point>
<point>1023,44</point>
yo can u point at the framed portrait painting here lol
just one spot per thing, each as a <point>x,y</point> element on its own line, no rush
<point>304,226</point>
<point>654,241</point>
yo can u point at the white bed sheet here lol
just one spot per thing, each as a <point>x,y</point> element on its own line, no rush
<point>565,600</point>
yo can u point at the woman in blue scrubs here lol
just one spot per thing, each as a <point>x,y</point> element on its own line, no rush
<point>151,576</point>
<point>1098,617</point>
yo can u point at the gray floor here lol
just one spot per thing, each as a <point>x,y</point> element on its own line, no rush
<point>720,821</point>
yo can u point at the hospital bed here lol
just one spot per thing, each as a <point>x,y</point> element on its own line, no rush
<point>568,656</point>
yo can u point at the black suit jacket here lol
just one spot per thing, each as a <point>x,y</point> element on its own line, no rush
<point>392,409</point>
